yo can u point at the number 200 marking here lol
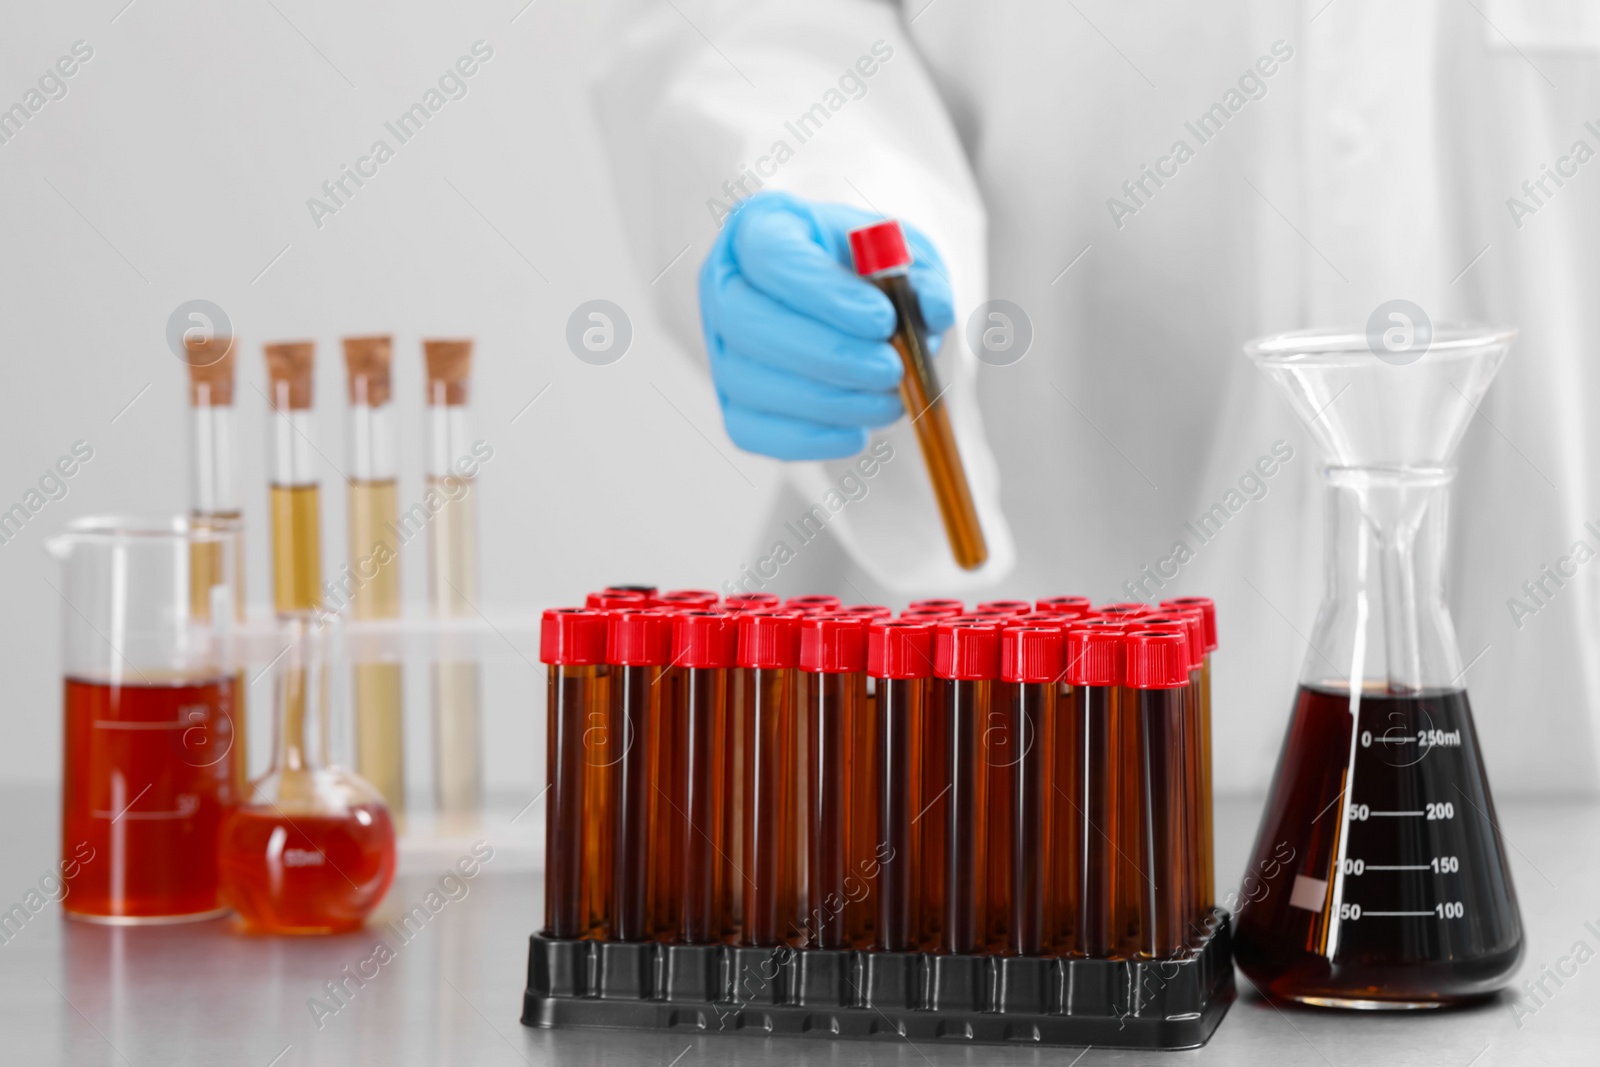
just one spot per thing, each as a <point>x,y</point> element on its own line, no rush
<point>1441,811</point>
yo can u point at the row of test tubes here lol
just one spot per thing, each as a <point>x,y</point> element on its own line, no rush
<point>381,528</point>
<point>1023,779</point>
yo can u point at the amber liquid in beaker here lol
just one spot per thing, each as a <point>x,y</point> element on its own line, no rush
<point>148,782</point>
<point>1382,877</point>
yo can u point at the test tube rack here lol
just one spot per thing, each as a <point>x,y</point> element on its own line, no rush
<point>651,924</point>
<point>883,996</point>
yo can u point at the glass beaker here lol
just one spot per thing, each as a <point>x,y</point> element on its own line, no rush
<point>310,850</point>
<point>149,759</point>
<point>1380,878</point>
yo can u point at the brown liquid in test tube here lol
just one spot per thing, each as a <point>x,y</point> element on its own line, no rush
<point>882,257</point>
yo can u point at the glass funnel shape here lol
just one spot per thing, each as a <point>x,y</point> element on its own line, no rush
<point>1379,876</point>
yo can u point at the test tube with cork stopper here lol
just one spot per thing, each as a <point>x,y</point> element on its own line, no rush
<point>453,462</point>
<point>374,572</point>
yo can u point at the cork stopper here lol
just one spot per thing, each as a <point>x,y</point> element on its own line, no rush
<point>367,360</point>
<point>449,367</point>
<point>210,370</point>
<point>289,371</point>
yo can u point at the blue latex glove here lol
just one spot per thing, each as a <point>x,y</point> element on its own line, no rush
<point>798,341</point>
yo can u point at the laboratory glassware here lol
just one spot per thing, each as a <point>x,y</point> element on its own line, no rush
<point>150,747</point>
<point>768,653</point>
<point>967,659</point>
<point>639,648</point>
<point>1392,888</point>
<point>311,849</point>
<point>296,505</point>
<point>577,871</point>
<point>883,258</point>
<point>841,818</point>
<point>453,577</point>
<point>214,499</point>
<point>374,574</point>
<point>1031,661</point>
<point>692,902</point>
<point>900,662</point>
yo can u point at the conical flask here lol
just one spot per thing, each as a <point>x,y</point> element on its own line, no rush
<point>1379,878</point>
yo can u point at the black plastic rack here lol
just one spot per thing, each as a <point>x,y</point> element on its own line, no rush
<point>885,996</point>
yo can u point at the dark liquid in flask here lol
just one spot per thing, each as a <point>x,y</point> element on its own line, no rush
<point>1379,877</point>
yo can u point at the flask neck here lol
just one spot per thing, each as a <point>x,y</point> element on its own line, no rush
<point>1384,623</point>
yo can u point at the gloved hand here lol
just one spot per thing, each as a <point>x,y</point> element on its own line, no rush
<point>798,341</point>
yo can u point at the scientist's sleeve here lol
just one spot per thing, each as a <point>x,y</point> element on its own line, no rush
<point>706,102</point>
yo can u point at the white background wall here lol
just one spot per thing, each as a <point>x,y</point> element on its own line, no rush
<point>178,166</point>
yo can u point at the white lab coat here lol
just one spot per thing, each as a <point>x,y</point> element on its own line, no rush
<point>1375,162</point>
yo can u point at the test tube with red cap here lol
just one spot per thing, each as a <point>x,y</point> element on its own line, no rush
<point>967,659</point>
<point>1032,662</point>
<point>900,662</point>
<point>1192,623</point>
<point>947,604</point>
<point>577,878</point>
<point>1208,611</point>
<point>612,599</point>
<point>686,600</point>
<point>812,603</point>
<point>1088,838</point>
<point>1076,604</point>
<point>932,614</point>
<point>768,653</point>
<point>639,647</point>
<point>841,823</point>
<point>868,611</point>
<point>1007,607</point>
<point>1157,671</point>
<point>883,258</point>
<point>751,601</point>
<point>692,895</point>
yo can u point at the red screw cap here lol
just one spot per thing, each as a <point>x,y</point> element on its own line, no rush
<point>879,247</point>
<point>941,603</point>
<point>572,637</point>
<point>690,599</point>
<point>966,651</point>
<point>931,614</point>
<point>705,639</point>
<point>833,643</point>
<point>1194,628</point>
<point>1157,659</point>
<point>900,649</point>
<point>768,640</point>
<point>1207,606</point>
<point>1031,654</point>
<point>869,611</point>
<point>1095,655</point>
<point>815,602</point>
<point>1005,607</point>
<point>611,599</point>
<point>639,638</point>
<point>1064,603</point>
<point>1047,619</point>
<point>751,601</point>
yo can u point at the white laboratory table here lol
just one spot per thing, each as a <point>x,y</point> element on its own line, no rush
<point>72,993</point>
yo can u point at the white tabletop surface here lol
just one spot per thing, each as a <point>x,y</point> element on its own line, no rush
<point>72,993</point>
